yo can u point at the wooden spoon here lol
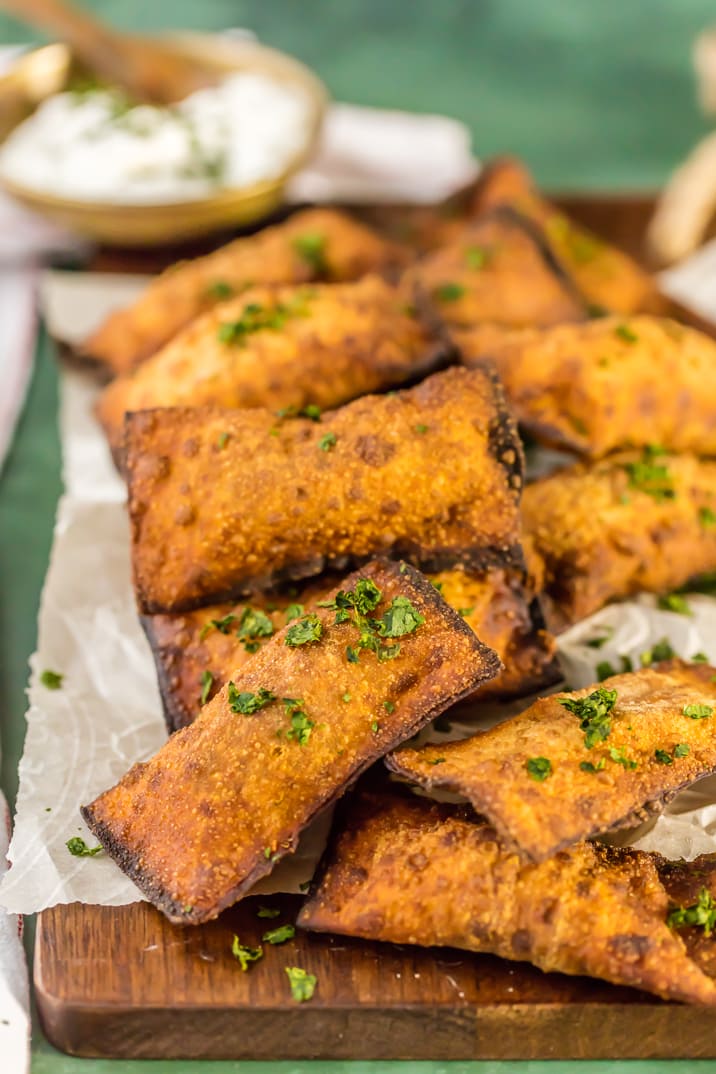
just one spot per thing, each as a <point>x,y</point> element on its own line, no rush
<point>147,70</point>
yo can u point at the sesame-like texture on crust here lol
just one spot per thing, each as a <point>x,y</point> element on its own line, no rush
<point>541,816</point>
<point>600,536</point>
<point>606,276</point>
<point>497,271</point>
<point>609,384</point>
<point>324,344</point>
<point>223,502</point>
<point>684,881</point>
<point>227,797</point>
<point>336,248</point>
<point>493,603</point>
<point>413,871</point>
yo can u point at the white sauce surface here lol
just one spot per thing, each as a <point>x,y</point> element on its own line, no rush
<point>92,147</point>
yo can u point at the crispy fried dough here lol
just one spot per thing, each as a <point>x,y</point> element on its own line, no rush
<point>316,244</point>
<point>226,798</point>
<point>540,816</point>
<point>609,529</point>
<point>499,272</point>
<point>219,639</point>
<point>220,505</point>
<point>608,384</point>
<point>607,277</point>
<point>413,871</point>
<point>286,347</point>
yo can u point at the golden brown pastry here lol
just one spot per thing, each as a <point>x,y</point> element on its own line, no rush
<point>608,384</point>
<point>408,870</point>
<point>496,273</point>
<point>283,347</point>
<point>577,764</point>
<point>223,502</point>
<point>226,798</point>
<point>605,530</point>
<point>196,652</point>
<point>607,277</point>
<point>315,244</point>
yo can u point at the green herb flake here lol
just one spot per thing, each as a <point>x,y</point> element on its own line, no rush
<point>206,681</point>
<point>699,658</point>
<point>476,257</point>
<point>401,618</point>
<point>389,707</point>
<point>618,755</point>
<point>421,429</point>
<point>294,611</point>
<point>663,757</point>
<point>626,663</point>
<point>267,911</point>
<point>279,935</point>
<point>245,955</point>
<point>303,984</point>
<point>674,602</point>
<point>588,766</point>
<point>311,248</point>
<point>374,726</point>
<point>604,670</point>
<point>247,703</point>
<point>346,697</point>
<point>219,290</point>
<point>539,768</point>
<point>661,650</point>
<point>707,517</point>
<point>222,625</point>
<point>464,612</point>
<point>301,724</point>
<point>253,624</point>
<point>351,655</point>
<point>601,639</point>
<point>51,680</point>
<point>651,477</point>
<point>304,631</point>
<point>682,749</point>
<point>702,914</point>
<point>594,712</point>
<point>327,442</point>
<point>438,760</point>
<point>698,712</point>
<point>222,441</point>
<point>79,849</point>
<point>267,852</point>
<point>449,292</point>
<point>623,331</point>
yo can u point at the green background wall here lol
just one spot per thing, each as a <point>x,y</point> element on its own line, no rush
<point>590,92</point>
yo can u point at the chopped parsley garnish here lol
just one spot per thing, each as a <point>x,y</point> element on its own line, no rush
<point>594,712</point>
<point>247,703</point>
<point>539,768</point>
<point>618,754</point>
<point>438,760</point>
<point>707,517</point>
<point>663,757</point>
<point>255,318</point>
<point>310,411</point>
<point>476,257</point>
<point>301,725</point>
<point>674,602</point>
<point>587,766</point>
<point>253,624</point>
<point>627,664</point>
<point>604,670</point>
<point>401,618</point>
<point>303,984</point>
<point>79,849</point>
<point>206,681</point>
<point>245,955</point>
<point>267,852</point>
<point>682,749</point>
<point>311,248</point>
<point>346,697</point>
<point>219,289</point>
<point>222,625</point>
<point>449,292</point>
<point>651,477</point>
<point>698,712</point>
<point>222,441</point>
<point>363,599</point>
<point>294,611</point>
<point>353,605</point>
<point>600,640</point>
<point>661,650</point>
<point>699,658</point>
<point>702,914</point>
<point>51,680</point>
<point>421,429</point>
<point>327,442</point>
<point>279,935</point>
<point>304,630</point>
<point>464,612</point>
<point>267,911</point>
<point>623,331</point>
<point>389,707</point>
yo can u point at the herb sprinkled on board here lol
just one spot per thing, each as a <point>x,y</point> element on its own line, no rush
<point>303,984</point>
<point>51,680</point>
<point>279,935</point>
<point>245,955</point>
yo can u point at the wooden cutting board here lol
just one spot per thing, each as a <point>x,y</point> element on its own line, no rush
<point>123,982</point>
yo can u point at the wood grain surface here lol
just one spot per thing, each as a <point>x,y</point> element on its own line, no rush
<point>122,982</point>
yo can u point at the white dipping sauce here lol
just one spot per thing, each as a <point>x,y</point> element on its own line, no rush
<point>92,146</point>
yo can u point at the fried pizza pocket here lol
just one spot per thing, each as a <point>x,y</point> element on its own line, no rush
<point>574,765</point>
<point>197,825</point>
<point>285,347</point>
<point>223,502</point>
<point>407,870</point>
<point>316,244</point>
<point>609,529</point>
<point>196,652</point>
<point>609,384</point>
